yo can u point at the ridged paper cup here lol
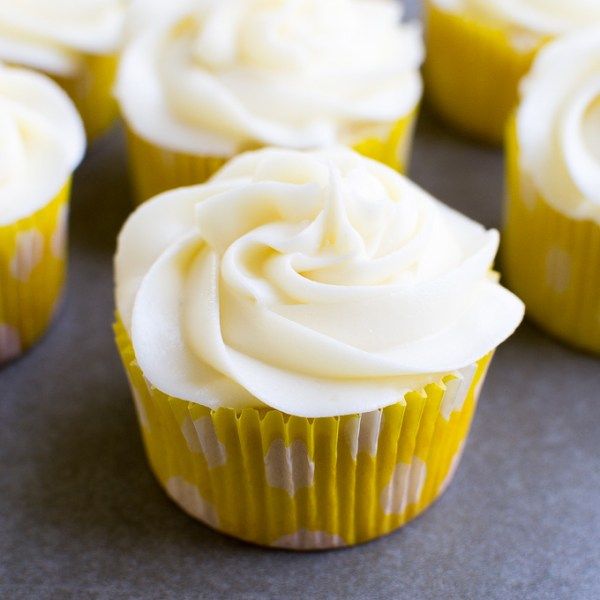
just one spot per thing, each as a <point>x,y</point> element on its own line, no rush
<point>472,72</point>
<point>33,254</point>
<point>155,169</point>
<point>91,90</point>
<point>551,260</point>
<point>290,482</point>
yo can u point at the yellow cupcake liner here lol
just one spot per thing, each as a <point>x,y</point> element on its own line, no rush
<point>551,260</point>
<point>32,273</point>
<point>393,149</point>
<point>283,481</point>
<point>472,72</point>
<point>91,90</point>
<point>155,169</point>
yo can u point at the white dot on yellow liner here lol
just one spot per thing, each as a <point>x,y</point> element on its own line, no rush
<point>58,243</point>
<point>457,391</point>
<point>289,467</point>
<point>307,540</point>
<point>453,468</point>
<point>10,343</point>
<point>405,487</point>
<point>29,250</point>
<point>201,438</point>
<point>188,497</point>
<point>362,433</point>
<point>558,270</point>
<point>528,192</point>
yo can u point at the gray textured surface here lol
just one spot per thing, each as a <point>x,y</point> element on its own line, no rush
<point>81,516</point>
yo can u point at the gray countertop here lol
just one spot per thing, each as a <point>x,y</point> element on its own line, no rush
<point>82,517</point>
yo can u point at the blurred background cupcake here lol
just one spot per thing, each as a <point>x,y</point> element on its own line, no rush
<point>552,238</point>
<point>306,337</point>
<point>200,82</point>
<point>478,50</point>
<point>41,142</point>
<point>73,41</point>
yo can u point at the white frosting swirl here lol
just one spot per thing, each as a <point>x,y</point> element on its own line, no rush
<point>318,284</point>
<point>539,17</point>
<point>559,124</point>
<point>215,76</point>
<point>51,35</point>
<point>41,141</point>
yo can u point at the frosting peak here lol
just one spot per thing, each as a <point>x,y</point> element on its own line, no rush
<point>319,284</point>
<point>214,76</point>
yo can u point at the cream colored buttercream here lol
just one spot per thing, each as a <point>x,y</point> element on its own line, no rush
<point>559,124</point>
<point>41,142</point>
<point>316,283</point>
<point>51,35</point>
<point>216,77</point>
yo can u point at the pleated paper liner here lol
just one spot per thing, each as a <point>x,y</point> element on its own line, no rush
<point>277,480</point>
<point>32,274</point>
<point>393,147</point>
<point>155,169</point>
<point>472,72</point>
<point>91,89</point>
<point>551,260</point>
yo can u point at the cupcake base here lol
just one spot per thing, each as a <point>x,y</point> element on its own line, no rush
<point>155,169</point>
<point>551,260</point>
<point>472,73</point>
<point>305,484</point>
<point>32,274</point>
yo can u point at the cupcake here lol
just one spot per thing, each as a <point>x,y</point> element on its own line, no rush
<point>478,50</point>
<point>41,142</point>
<point>201,81</point>
<point>552,244</point>
<point>306,336</point>
<point>73,41</point>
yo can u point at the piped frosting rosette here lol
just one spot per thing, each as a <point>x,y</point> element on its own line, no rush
<point>41,142</point>
<point>51,35</point>
<point>558,124</point>
<point>215,77</point>
<point>317,284</point>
